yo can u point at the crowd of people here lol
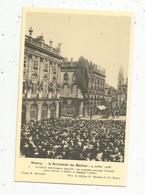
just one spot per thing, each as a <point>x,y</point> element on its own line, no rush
<point>74,139</point>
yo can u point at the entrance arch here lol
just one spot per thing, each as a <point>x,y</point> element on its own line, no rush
<point>53,110</point>
<point>44,111</point>
<point>33,112</point>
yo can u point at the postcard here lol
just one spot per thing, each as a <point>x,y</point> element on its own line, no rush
<point>74,97</point>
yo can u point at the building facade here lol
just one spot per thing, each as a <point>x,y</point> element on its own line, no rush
<point>50,87</point>
<point>111,99</point>
<point>70,97</point>
<point>96,89</point>
<point>41,72</point>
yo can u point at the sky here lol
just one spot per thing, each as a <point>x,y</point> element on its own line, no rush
<point>102,39</point>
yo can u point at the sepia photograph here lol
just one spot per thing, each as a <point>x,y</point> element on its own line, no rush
<point>75,78</point>
<point>74,87</point>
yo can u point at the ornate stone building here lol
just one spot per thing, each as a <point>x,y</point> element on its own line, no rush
<point>50,88</point>
<point>96,89</point>
<point>111,99</point>
<point>41,72</point>
<point>71,97</point>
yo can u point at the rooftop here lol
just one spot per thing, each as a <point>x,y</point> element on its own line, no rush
<point>92,67</point>
<point>39,42</point>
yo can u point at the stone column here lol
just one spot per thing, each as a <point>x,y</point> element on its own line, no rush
<point>40,62</point>
<point>50,71</point>
<point>39,111</point>
<point>58,72</point>
<point>30,66</point>
<point>81,109</point>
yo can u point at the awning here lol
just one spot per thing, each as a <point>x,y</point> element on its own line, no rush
<point>101,107</point>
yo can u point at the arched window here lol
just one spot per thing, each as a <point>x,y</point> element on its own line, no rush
<point>66,76</point>
<point>25,65</point>
<point>45,68</point>
<point>34,88</point>
<point>35,66</point>
<point>54,69</point>
<point>54,79</point>
<point>33,112</point>
<point>44,111</point>
<point>45,89</point>
<point>34,77</point>
<point>64,107</point>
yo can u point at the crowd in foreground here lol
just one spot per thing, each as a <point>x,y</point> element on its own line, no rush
<point>73,139</point>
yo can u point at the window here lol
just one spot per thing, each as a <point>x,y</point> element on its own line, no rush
<point>66,76</point>
<point>25,65</point>
<point>35,67</point>
<point>33,112</point>
<point>54,69</point>
<point>34,88</point>
<point>54,79</point>
<point>44,111</point>
<point>45,69</point>
<point>34,76</point>
<point>45,89</point>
